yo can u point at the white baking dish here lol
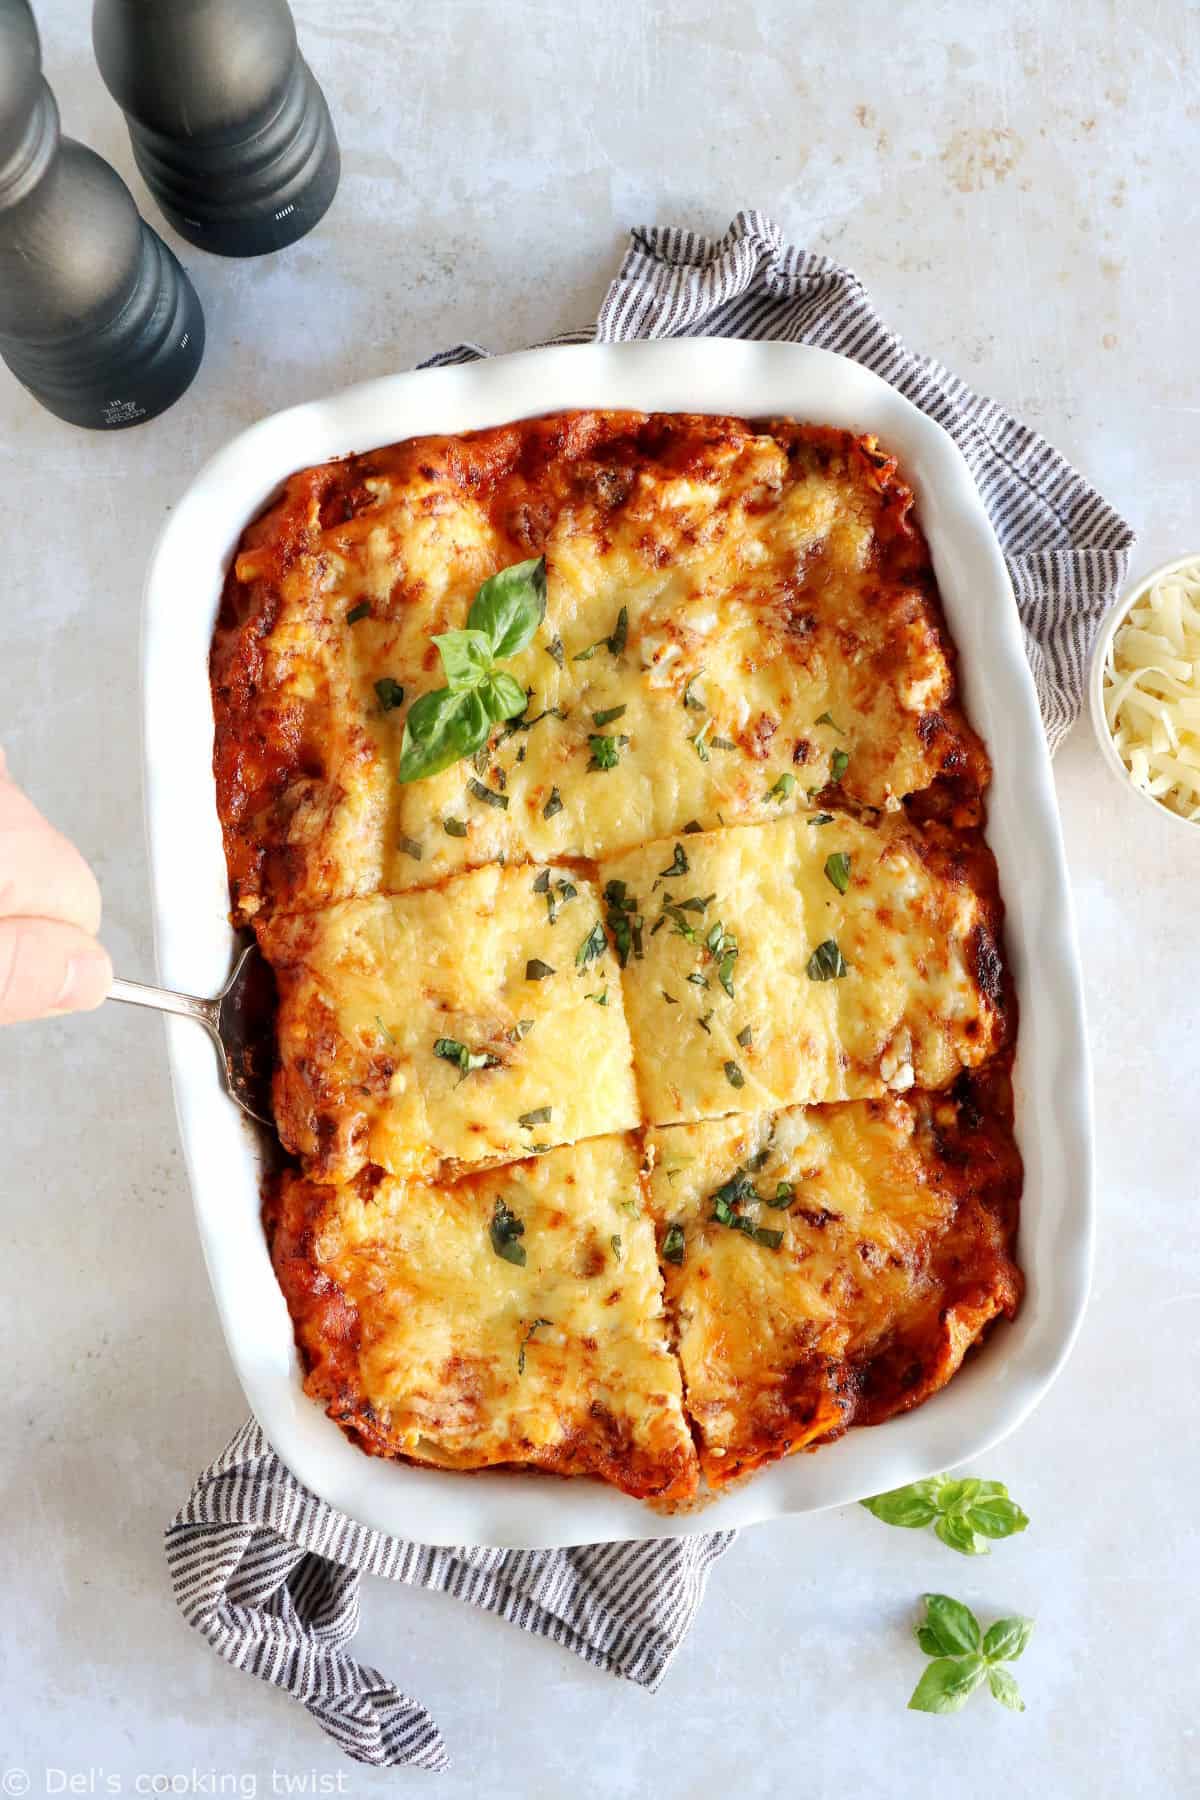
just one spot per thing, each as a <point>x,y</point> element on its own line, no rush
<point>224,1155</point>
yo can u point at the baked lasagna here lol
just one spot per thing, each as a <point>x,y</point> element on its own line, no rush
<point>643,1032</point>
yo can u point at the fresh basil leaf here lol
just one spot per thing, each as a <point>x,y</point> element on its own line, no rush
<point>488,795</point>
<point>953,1624</point>
<point>607,714</point>
<point>996,1516</point>
<point>389,693</point>
<point>466,658</point>
<point>837,870</point>
<point>827,963</point>
<point>553,805</point>
<point>454,828</point>
<point>441,728</point>
<point>1003,1687</point>
<point>956,1534</point>
<point>594,945</point>
<point>504,1231</point>
<point>539,1116</point>
<point>361,611</point>
<point>537,970</point>
<point>673,1245</point>
<point>1007,1638</point>
<point>504,697</point>
<point>947,1684</point>
<point>734,1076</point>
<point>839,762</point>
<point>510,606</point>
<point>929,1641</point>
<point>956,1491</point>
<point>909,1507</point>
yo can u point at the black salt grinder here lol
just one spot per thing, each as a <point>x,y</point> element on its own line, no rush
<point>97,319</point>
<point>228,126</point>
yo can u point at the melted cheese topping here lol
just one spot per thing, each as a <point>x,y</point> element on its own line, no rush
<point>445,1352</point>
<point>779,612</point>
<point>890,1264</point>
<point>916,1003</point>
<point>368,988</point>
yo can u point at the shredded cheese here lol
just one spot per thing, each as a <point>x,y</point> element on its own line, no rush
<point>1152,690</point>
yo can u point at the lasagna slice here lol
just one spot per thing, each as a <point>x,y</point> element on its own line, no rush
<point>831,1267</point>
<point>815,959</point>
<point>514,1317</point>
<point>475,1022</point>
<point>738,615</point>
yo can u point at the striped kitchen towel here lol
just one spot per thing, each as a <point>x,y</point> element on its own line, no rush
<point>270,1574</point>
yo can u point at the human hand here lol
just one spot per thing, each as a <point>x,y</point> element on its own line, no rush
<point>50,962</point>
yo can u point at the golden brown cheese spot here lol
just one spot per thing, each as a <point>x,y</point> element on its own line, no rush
<point>370,988</point>
<point>894,1258</point>
<point>430,1346</point>
<point>915,928</point>
<point>769,576</point>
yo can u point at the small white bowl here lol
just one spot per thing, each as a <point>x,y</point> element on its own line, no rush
<point>1112,621</point>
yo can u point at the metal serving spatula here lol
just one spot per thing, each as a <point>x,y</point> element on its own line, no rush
<point>233,1020</point>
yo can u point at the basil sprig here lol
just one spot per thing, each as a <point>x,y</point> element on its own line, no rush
<point>964,1513</point>
<point>454,721</point>
<point>964,1656</point>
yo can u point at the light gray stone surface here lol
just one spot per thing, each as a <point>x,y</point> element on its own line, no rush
<point>1017,185</point>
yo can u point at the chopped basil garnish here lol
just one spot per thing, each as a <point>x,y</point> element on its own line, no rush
<point>821,819</point>
<point>593,946</point>
<point>673,1245</point>
<point>361,611</point>
<point>504,1231</point>
<point>600,998</point>
<point>669,998</point>
<point>784,1194</point>
<point>537,1323</point>
<point>837,870</point>
<point>679,864</point>
<point>537,970</point>
<point>692,826</point>
<point>605,751</point>
<point>555,649</point>
<point>770,1239</point>
<point>699,743</point>
<point>703,1023</point>
<point>389,693</point>
<point>722,946</point>
<point>410,847</point>
<point>553,805</point>
<point>614,643</point>
<point>387,1034</point>
<point>827,962</point>
<point>781,789</point>
<point>541,883</point>
<point>450,1050</point>
<point>839,762</point>
<point>828,719</point>
<point>734,1076</point>
<point>698,980</point>
<point>615,1242</point>
<point>745,1037</point>
<point>689,699</point>
<point>722,743</point>
<point>487,794</point>
<point>539,1116</point>
<point>608,714</point>
<point>454,828</point>
<point>521,1029</point>
<point>723,1214</point>
<point>623,920</point>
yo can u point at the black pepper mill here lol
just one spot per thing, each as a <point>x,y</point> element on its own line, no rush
<point>228,126</point>
<point>97,319</point>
